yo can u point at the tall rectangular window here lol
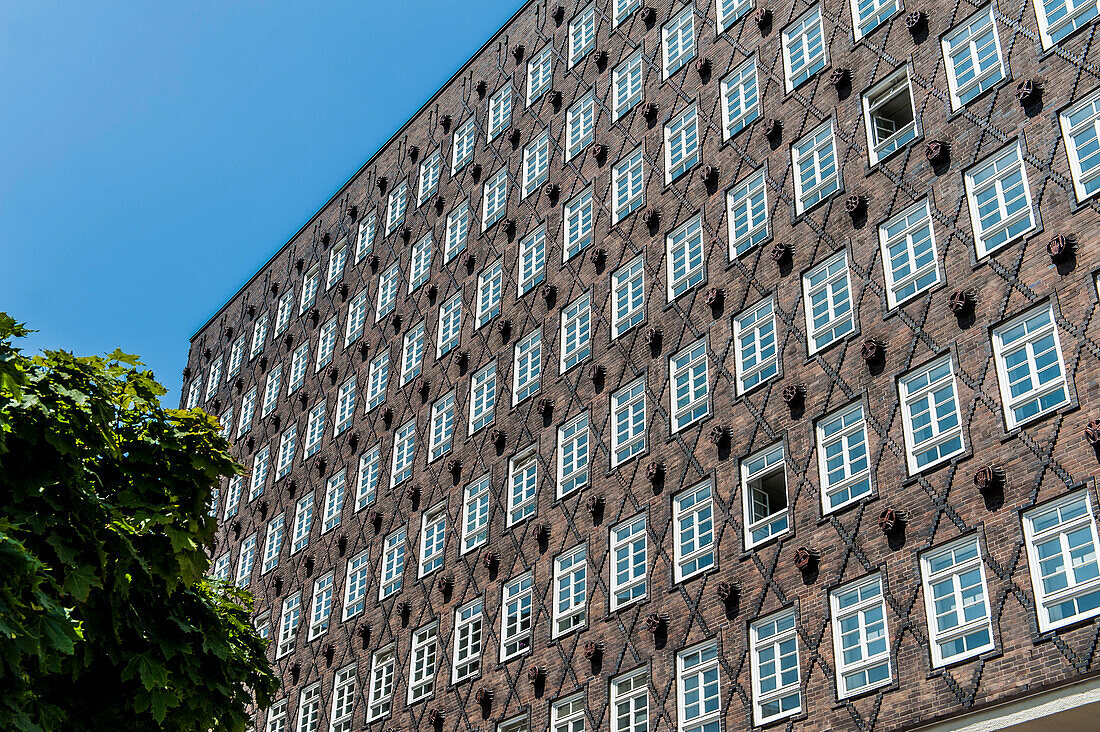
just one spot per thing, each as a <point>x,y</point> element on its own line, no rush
<point>336,260</point>
<point>933,425</point>
<point>315,429</point>
<point>310,283</point>
<point>393,564</point>
<point>273,543</point>
<point>580,125</point>
<point>579,214</point>
<point>1081,133</point>
<point>678,40</point>
<point>357,318</point>
<point>443,427</point>
<point>1030,368</point>
<point>489,285</point>
<point>532,260</point>
<point>747,211</point>
<point>233,496</point>
<point>345,407</point>
<point>515,617</point>
<point>334,501</point>
<point>870,14</point>
<point>523,482</point>
<point>429,177</point>
<point>568,715</point>
<point>693,513</point>
<point>364,240</point>
<point>288,625</point>
<point>248,409</point>
<point>776,692</point>
<point>343,699</point>
<point>740,98</point>
<point>628,292</point>
<point>570,591</point>
<point>483,396</point>
<point>303,521</point>
<point>500,112</point>
<point>764,495</point>
<point>283,312</point>
<point>687,264</point>
<point>496,198</point>
<point>999,200</point>
<point>458,231</point>
<point>259,472</point>
<point>259,336</point>
<point>972,55</point>
<point>422,660</point>
<point>626,83</point>
<point>420,263</point>
<point>309,709</point>
<point>464,141</point>
<point>630,702</point>
<point>276,717</point>
<point>433,532</point>
<point>816,173</point>
<point>326,344</point>
<point>861,640</point>
<point>388,283</point>
<point>1059,18</point>
<point>540,74</point>
<point>909,254</point>
<point>380,694</point>
<point>403,444</point>
<point>573,455</point>
<point>842,457</point>
<point>628,422</point>
<point>527,367</point>
<point>213,378</point>
<point>236,356</point>
<point>756,346</point>
<point>804,50</point>
<point>475,513</point>
<point>699,694</point>
<point>468,642</point>
<point>628,184</point>
<point>889,115</point>
<point>690,391</point>
<point>1061,551</point>
<point>395,208</point>
<point>582,34</point>
<point>629,554</point>
<point>412,353</point>
<point>536,163</point>
<point>246,560</point>
<point>377,376</point>
<point>355,592</point>
<point>366,484</point>
<point>298,364</point>
<point>576,332</point>
<point>730,11</point>
<point>955,599</point>
<point>321,608</point>
<point>681,144</point>
<point>829,315</point>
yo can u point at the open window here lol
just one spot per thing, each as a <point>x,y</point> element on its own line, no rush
<point>764,481</point>
<point>890,116</point>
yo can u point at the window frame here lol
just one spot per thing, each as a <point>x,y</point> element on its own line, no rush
<point>570,614</point>
<point>751,320</point>
<point>677,134</point>
<point>907,396</point>
<point>671,63</point>
<point>797,31</point>
<point>836,321</point>
<point>808,150</point>
<point>774,642</point>
<point>976,20</point>
<point>859,608</point>
<point>684,416</point>
<point>1060,529</point>
<point>999,349</point>
<point>702,721</point>
<point>1006,222</point>
<point>936,637</point>
<point>627,535</point>
<point>701,506</point>
<point>468,666</point>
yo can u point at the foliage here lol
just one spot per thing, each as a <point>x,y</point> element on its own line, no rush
<point>106,619</point>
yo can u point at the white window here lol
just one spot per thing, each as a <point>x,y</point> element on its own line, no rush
<point>403,444</point>
<point>357,318</point>
<point>345,406</point>
<point>972,55</point>
<point>623,8</point>
<point>756,347</point>
<point>933,425</point>
<point>999,200</point>
<point>956,601</point>
<point>248,408</point>
<point>213,378</point>
<point>464,141</point>
<point>578,224</point>
<point>1030,369</point>
<point>681,144</point>
<point>259,336</point>
<point>570,591</point>
<point>315,429</point>
<point>380,697</point>
<point>366,484</point>
<point>450,325</point>
<point>627,83</point>
<point>496,198</point>
<point>236,356</point>
<point>536,163</point>
<point>870,14</point>
<point>393,564</point>
<point>573,454</point>
<point>523,479</point>
<point>515,617</point>
<point>395,209</point>
<point>303,521</point>
<point>422,660</point>
<point>288,625</point>
<point>829,315</point>
<point>532,260</point>
<point>804,50</point>
<point>283,312</point>
<point>861,640</point>
<point>730,11</point>
<point>1060,18</point>
<point>468,635</point>
<point>527,367</point>
<point>516,724</point>
<point>628,288</point>
<point>377,376</point>
<point>747,211</point>
<point>388,282</point>
<point>628,183</point>
<point>310,284</point>
<point>309,709</point>
<point>842,457</point>
<point>443,426</point>
<point>458,230</point>
<point>1061,549</point>
<point>580,123</point>
<point>909,253</point>
<point>690,392</point>
<point>298,368</point>
<point>433,532</point>
<point>889,115</point>
<point>483,397</point>
<point>355,592</point>
<point>364,240</point>
<point>678,40</point>
<point>576,332</point>
<point>226,421</point>
<point>343,699</point>
<point>336,260</point>
<point>259,472</point>
<point>776,692</point>
<point>429,177</point>
<point>687,265</point>
<point>582,34</point>
<point>697,679</point>
<point>489,285</point>
<point>221,567</point>
<point>816,173</point>
<point>629,552</point>
<point>628,422</point>
<point>233,496</point>
<point>567,715</point>
<point>412,353</point>
<point>273,543</point>
<point>326,344</point>
<point>475,513</point>
<point>276,717</point>
<point>500,112</point>
<point>540,74</point>
<point>740,98</point>
<point>420,263</point>
<point>321,608</point>
<point>630,702</point>
<point>764,494</point>
<point>694,516</point>
<point>334,501</point>
<point>246,560</point>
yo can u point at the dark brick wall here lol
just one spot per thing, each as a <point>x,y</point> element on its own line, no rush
<point>1042,461</point>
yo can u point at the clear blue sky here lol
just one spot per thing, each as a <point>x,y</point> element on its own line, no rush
<point>153,155</point>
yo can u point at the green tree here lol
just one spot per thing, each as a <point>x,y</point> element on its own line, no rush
<point>107,621</point>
